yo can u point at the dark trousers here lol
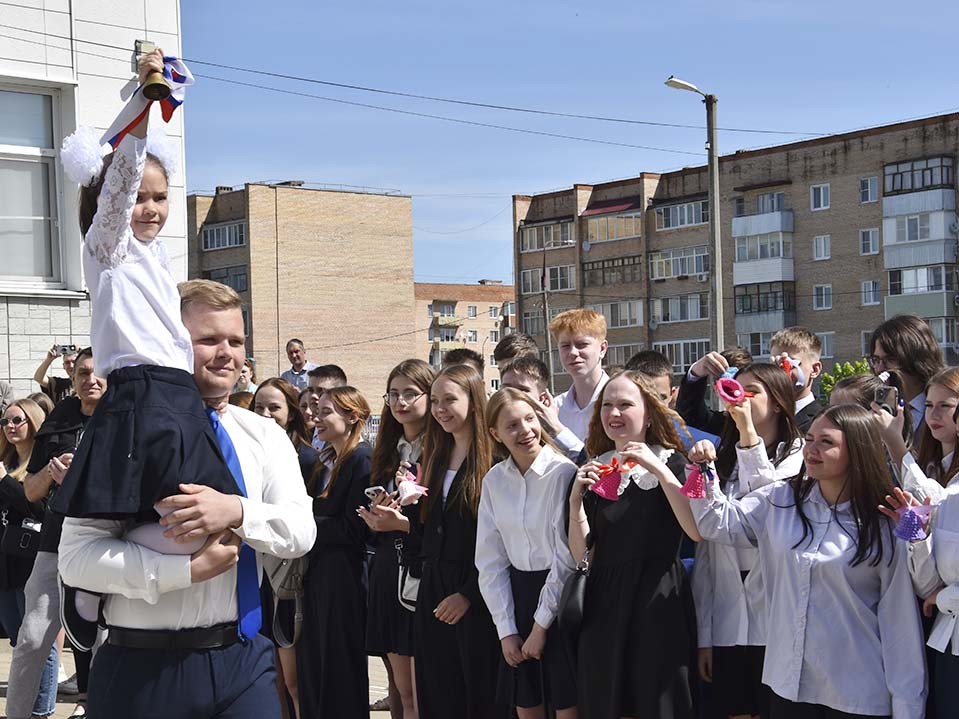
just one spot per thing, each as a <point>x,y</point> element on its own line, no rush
<point>946,684</point>
<point>235,682</point>
<point>780,708</point>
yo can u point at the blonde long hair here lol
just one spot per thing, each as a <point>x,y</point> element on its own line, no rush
<point>8,452</point>
<point>500,399</point>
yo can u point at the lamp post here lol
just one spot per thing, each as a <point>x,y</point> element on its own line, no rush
<point>715,229</point>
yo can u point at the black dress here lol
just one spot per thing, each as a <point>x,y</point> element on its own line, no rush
<point>389,626</point>
<point>331,656</point>
<point>456,665</point>
<point>638,633</point>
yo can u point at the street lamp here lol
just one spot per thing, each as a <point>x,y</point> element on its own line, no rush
<point>715,230</point>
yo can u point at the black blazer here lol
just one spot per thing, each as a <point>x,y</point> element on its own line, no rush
<point>337,524</point>
<point>449,535</point>
<point>807,414</point>
<point>691,406</point>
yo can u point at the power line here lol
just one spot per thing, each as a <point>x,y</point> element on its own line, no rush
<point>431,98</point>
<point>468,229</point>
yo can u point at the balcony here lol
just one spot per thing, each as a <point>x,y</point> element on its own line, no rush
<point>764,321</point>
<point>912,203</point>
<point>760,224</point>
<point>774,269</point>
<point>447,320</point>
<point>923,304</point>
<point>447,345</point>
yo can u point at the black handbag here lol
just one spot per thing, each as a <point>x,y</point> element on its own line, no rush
<point>569,615</point>
<point>407,583</point>
<point>20,540</point>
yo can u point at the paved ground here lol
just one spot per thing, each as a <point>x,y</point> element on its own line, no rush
<point>65,704</point>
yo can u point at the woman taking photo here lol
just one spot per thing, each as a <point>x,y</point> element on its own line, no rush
<point>637,637</point>
<point>454,643</point>
<point>399,443</point>
<point>843,630</point>
<point>276,399</point>
<point>523,560</point>
<point>760,444</point>
<point>331,653</point>
<point>18,430</point>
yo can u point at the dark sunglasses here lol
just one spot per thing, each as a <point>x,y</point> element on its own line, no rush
<point>15,421</point>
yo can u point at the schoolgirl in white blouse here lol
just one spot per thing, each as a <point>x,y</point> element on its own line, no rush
<point>760,444</point>
<point>523,558</point>
<point>843,630</point>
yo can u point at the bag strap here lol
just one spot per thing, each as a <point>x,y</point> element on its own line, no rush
<point>584,562</point>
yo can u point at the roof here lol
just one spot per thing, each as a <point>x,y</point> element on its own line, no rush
<point>622,204</point>
<point>451,291</point>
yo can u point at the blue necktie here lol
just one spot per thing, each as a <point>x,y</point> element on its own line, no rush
<point>247,581</point>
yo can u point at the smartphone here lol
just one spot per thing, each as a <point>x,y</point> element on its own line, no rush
<point>887,397</point>
<point>65,349</point>
<point>373,493</point>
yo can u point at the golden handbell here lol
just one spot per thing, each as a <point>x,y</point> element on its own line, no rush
<point>156,87</point>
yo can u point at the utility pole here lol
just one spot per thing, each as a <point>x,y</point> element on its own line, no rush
<point>549,340</point>
<point>715,227</point>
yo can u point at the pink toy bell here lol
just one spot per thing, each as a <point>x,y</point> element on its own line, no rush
<point>731,391</point>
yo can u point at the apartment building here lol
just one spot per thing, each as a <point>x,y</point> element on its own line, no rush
<point>50,85</point>
<point>836,233</point>
<point>454,316</point>
<point>330,267</point>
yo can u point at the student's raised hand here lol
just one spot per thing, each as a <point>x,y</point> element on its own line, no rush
<point>535,643</point>
<point>586,477</point>
<point>149,63</point>
<point>712,365</point>
<point>640,453</point>
<point>741,413</point>
<point>512,647</point>
<point>703,452</point>
<point>452,609</point>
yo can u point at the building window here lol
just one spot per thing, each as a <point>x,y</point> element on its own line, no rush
<point>868,189</point>
<point>770,202</point>
<point>533,323</point>
<point>765,297</point>
<point>245,313</point>
<point>871,292</point>
<point>739,207</point>
<point>471,311</point>
<point>763,247</point>
<point>220,237</point>
<point>865,337</point>
<point>530,282</point>
<point>819,197</point>
<point>472,336</point>
<point>683,353</point>
<point>28,188</point>
<point>681,308</point>
<point>917,175</point>
<point>614,227</point>
<point>545,236</point>
<point>235,277</point>
<point>679,262</point>
<point>688,213</point>
<point>494,335</point>
<point>912,228</point>
<point>944,330</point>
<point>494,384</point>
<point>621,314</point>
<point>561,278</point>
<point>617,271</point>
<point>447,309</point>
<point>756,342</point>
<point>822,247</point>
<point>493,312</point>
<point>828,344</point>
<point>822,297</point>
<point>429,310</point>
<point>491,360</point>
<point>916,280</point>
<point>869,241</point>
<point>618,355</point>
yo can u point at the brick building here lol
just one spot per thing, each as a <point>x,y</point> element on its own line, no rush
<point>451,316</point>
<point>836,233</point>
<point>333,268</point>
<point>50,85</point>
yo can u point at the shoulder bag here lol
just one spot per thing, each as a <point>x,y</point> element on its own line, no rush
<point>20,539</point>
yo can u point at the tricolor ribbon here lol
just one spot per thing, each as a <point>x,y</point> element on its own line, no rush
<point>911,521</point>
<point>179,77</point>
<point>793,368</point>
<point>696,477</point>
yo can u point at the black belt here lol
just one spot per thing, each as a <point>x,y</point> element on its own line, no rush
<point>220,635</point>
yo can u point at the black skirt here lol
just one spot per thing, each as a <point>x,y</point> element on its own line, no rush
<point>550,681</point>
<point>148,435</point>
<point>738,681</point>
<point>389,627</point>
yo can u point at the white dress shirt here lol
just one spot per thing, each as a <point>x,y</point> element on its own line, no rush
<point>804,402</point>
<point>521,523</point>
<point>571,415</point>
<point>846,637</point>
<point>135,305</point>
<point>147,590</point>
<point>916,482</point>
<point>571,445</point>
<point>731,612</point>
<point>934,563</point>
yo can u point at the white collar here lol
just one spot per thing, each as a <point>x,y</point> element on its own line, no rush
<point>641,477</point>
<point>804,402</point>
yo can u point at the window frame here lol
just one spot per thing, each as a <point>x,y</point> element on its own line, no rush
<point>684,211</point>
<point>822,248</point>
<point>874,234</point>
<point>826,293</point>
<point>828,340</point>
<point>875,292</point>
<point>871,189</point>
<point>827,195</point>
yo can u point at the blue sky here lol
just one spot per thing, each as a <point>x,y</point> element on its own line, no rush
<point>809,66</point>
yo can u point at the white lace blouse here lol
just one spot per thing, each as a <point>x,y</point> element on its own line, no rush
<point>135,304</point>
